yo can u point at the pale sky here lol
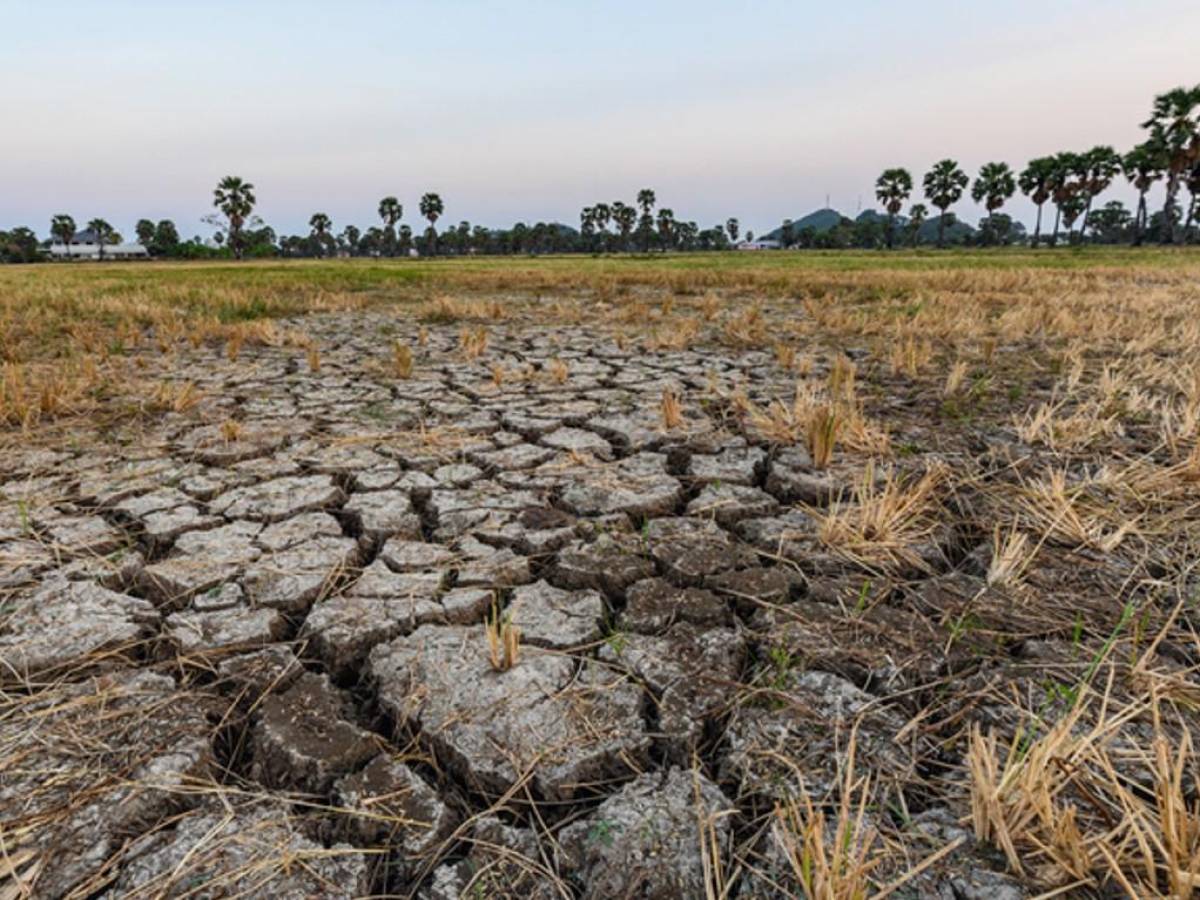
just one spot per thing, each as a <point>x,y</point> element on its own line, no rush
<point>525,110</point>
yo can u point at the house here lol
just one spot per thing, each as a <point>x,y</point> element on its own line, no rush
<point>86,245</point>
<point>759,245</point>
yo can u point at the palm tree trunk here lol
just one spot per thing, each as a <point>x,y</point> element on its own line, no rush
<point>1087,209</point>
<point>1169,208</point>
<point>1037,230</point>
<point>890,219</point>
<point>941,227</point>
<point>1057,216</point>
<point>1187,225</point>
<point>1139,220</point>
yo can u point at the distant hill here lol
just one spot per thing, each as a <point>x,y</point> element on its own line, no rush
<point>824,219</point>
<point>820,220</point>
<point>870,215</point>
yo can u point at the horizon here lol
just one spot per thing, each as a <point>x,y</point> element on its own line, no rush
<point>331,110</point>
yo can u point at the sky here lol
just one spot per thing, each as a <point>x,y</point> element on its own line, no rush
<point>528,110</point>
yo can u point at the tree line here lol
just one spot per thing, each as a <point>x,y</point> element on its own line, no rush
<point>1071,182</point>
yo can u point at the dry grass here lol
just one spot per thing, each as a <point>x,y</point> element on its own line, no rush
<point>831,860</point>
<point>887,520</point>
<point>472,342</point>
<point>1077,805</point>
<point>402,361</point>
<point>672,409</point>
<point>504,641</point>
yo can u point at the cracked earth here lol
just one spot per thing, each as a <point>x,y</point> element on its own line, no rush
<point>254,634</point>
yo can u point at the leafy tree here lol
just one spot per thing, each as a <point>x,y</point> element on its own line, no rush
<point>62,227</point>
<point>1174,125</point>
<point>431,208</point>
<point>405,240</point>
<point>235,200</point>
<point>688,234</point>
<point>866,233</point>
<point>20,245</point>
<point>1099,166</point>
<point>1036,182</point>
<point>944,185</point>
<point>103,231</point>
<point>995,229</point>
<point>391,212</point>
<point>166,237</point>
<point>350,238</point>
<point>892,188</point>
<point>993,186</point>
<point>916,218</point>
<point>1143,166</point>
<point>731,227</point>
<point>1072,208</point>
<point>144,229</point>
<point>1109,223</point>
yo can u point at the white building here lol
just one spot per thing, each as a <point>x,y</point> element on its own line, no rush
<point>85,245</point>
<point>759,245</point>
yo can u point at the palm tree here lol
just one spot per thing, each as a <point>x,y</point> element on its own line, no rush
<point>587,226</point>
<point>916,218</point>
<point>431,208</point>
<point>235,199</point>
<point>320,225</point>
<point>1175,125</point>
<point>62,227</point>
<point>1062,188</point>
<point>944,185</point>
<point>602,214</point>
<point>391,212</point>
<point>625,217</point>
<point>993,186</point>
<point>103,232</point>
<point>1192,182</point>
<point>892,189</point>
<point>666,227</point>
<point>1035,182</point>
<point>645,227</point>
<point>1100,166</point>
<point>1143,165</point>
<point>788,233</point>
<point>732,226</point>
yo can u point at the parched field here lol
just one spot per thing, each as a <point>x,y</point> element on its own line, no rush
<point>752,576</point>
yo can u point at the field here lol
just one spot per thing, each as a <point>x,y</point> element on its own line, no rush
<point>745,575</point>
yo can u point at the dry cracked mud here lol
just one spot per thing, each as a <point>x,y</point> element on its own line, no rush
<point>252,639</point>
